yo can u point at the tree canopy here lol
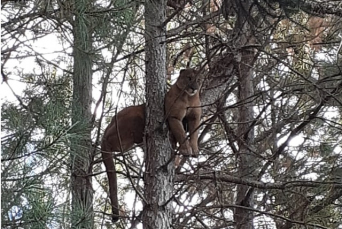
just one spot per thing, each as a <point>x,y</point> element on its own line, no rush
<point>271,131</point>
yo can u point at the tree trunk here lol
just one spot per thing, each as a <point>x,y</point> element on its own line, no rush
<point>245,131</point>
<point>159,171</point>
<point>81,184</point>
<point>245,160</point>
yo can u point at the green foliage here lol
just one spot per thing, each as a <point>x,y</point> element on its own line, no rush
<point>296,66</point>
<point>34,153</point>
<point>110,23</point>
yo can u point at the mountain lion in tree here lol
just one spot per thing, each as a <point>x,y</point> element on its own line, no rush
<point>183,112</point>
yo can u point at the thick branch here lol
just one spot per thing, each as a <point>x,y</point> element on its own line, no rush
<point>322,8</point>
<point>255,184</point>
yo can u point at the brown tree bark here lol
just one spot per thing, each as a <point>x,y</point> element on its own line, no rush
<point>159,172</point>
<point>245,131</point>
<point>239,63</point>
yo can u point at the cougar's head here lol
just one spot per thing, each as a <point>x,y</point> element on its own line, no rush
<point>189,81</point>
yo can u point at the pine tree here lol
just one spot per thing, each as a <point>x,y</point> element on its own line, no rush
<point>159,169</point>
<point>270,137</point>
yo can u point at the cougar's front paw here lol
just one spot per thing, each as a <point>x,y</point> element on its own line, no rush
<point>195,149</point>
<point>185,149</point>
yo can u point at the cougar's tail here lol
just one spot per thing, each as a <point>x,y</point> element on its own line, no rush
<point>112,180</point>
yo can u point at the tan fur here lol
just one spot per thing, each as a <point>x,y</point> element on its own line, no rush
<point>183,109</point>
<point>125,129</point>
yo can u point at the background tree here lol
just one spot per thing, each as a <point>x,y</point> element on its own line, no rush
<point>37,20</point>
<point>81,147</point>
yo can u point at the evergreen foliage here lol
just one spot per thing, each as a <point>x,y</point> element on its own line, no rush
<point>292,51</point>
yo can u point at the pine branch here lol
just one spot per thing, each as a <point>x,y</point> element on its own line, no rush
<point>255,184</point>
<point>320,8</point>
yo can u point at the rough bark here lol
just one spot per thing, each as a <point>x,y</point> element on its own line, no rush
<point>238,64</point>
<point>159,171</point>
<point>245,132</point>
<point>81,184</point>
<point>245,159</point>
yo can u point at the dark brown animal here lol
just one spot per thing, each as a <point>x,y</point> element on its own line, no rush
<point>183,111</point>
